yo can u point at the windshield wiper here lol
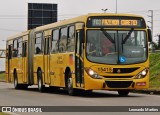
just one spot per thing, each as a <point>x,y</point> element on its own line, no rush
<point>107,35</point>
<point>128,35</point>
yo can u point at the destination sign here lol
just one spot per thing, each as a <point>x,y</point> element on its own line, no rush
<point>115,22</point>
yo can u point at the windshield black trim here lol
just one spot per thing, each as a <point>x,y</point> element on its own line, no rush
<point>127,36</point>
<point>107,35</point>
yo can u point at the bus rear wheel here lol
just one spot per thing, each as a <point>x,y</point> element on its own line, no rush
<point>41,87</point>
<point>123,92</point>
<point>17,85</point>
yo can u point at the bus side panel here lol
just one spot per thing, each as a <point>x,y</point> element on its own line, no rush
<point>58,65</point>
<point>13,67</point>
<point>67,61</point>
<point>55,60</point>
<point>17,63</point>
<point>38,65</point>
<point>7,66</point>
<point>25,69</point>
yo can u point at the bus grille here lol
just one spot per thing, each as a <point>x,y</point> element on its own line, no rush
<point>117,76</point>
<point>118,84</point>
<point>124,70</point>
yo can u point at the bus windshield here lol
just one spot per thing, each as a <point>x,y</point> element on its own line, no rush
<point>116,46</point>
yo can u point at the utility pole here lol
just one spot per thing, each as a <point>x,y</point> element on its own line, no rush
<point>116,6</point>
<point>151,16</point>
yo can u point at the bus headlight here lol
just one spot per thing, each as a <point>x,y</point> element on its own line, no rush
<point>142,74</point>
<point>92,73</point>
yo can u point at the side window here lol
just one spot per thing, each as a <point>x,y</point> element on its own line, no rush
<point>19,47</point>
<point>63,40</point>
<point>24,48</point>
<point>15,50</point>
<point>38,43</point>
<point>70,42</point>
<point>55,41</point>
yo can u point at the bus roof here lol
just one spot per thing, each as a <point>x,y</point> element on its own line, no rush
<point>18,35</point>
<point>80,19</point>
<point>67,21</point>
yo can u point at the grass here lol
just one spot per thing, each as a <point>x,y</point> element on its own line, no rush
<point>2,77</point>
<point>154,71</point>
<point>3,113</point>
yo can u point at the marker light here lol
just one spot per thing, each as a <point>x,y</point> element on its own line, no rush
<point>141,84</point>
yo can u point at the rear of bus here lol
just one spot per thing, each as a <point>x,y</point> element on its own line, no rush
<point>116,53</point>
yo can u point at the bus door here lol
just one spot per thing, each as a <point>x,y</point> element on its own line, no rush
<point>24,60</point>
<point>79,66</point>
<point>8,63</point>
<point>46,60</point>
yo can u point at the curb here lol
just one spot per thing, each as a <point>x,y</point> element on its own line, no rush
<point>150,91</point>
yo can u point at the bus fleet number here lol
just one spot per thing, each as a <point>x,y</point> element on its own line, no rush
<point>104,69</point>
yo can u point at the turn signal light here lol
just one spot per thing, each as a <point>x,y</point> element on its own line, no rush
<point>141,84</point>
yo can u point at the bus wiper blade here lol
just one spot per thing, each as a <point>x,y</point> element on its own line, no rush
<point>107,35</point>
<point>128,35</point>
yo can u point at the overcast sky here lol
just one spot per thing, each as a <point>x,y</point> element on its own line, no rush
<point>13,13</point>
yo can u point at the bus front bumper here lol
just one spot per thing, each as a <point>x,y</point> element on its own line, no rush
<point>101,84</point>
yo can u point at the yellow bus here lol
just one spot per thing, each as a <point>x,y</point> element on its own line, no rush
<point>89,52</point>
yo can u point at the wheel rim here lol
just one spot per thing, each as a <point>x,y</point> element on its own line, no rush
<point>69,83</point>
<point>70,88</point>
<point>39,83</point>
<point>15,82</point>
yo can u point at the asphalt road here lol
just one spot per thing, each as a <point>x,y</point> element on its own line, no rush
<point>31,97</point>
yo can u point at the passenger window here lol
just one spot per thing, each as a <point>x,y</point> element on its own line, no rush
<point>15,50</point>
<point>19,45</point>
<point>38,43</point>
<point>63,40</point>
<point>55,41</point>
<point>70,42</point>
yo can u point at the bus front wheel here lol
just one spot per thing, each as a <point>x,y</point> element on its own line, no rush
<point>71,90</point>
<point>123,92</point>
<point>40,82</point>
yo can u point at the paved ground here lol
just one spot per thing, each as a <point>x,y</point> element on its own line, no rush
<point>31,97</point>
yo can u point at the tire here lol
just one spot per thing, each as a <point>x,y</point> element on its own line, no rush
<point>16,85</point>
<point>71,90</point>
<point>41,87</point>
<point>123,92</point>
